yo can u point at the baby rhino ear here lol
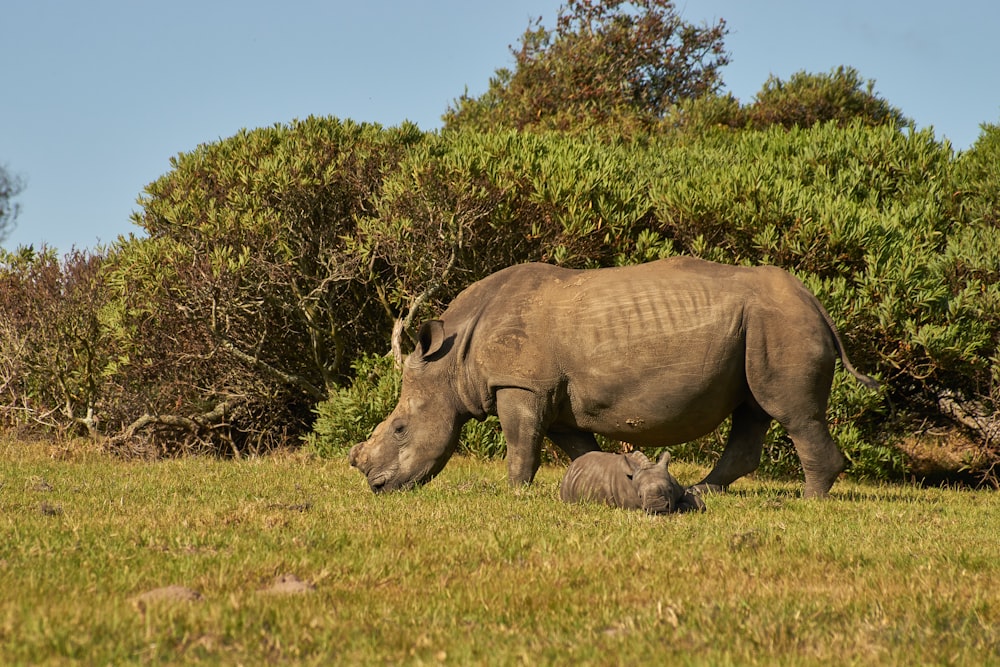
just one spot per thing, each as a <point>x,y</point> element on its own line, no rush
<point>635,460</point>
<point>664,459</point>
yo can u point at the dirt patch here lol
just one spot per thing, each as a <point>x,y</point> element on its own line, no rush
<point>288,584</point>
<point>949,456</point>
<point>166,594</point>
<point>48,509</point>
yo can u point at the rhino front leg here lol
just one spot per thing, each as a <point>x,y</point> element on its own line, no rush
<point>520,413</point>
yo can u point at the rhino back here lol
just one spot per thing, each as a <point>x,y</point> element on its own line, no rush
<point>653,354</point>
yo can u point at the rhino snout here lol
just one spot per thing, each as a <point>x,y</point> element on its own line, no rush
<point>357,457</point>
<point>658,505</point>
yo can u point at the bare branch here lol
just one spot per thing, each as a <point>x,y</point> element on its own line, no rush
<point>195,426</point>
<point>286,378</point>
<point>971,414</point>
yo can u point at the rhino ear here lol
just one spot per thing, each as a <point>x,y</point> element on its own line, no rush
<point>431,338</point>
<point>664,459</point>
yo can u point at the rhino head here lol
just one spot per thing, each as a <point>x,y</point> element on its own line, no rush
<point>415,441</point>
<point>658,491</point>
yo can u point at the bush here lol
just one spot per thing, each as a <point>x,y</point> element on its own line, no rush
<point>607,64</point>
<point>350,414</point>
<point>55,353</point>
<point>246,302</point>
<point>277,260</point>
<point>841,97</point>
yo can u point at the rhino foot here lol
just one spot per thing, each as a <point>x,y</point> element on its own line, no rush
<point>703,489</point>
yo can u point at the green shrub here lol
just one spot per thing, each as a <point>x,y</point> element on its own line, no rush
<point>246,300</point>
<point>841,96</point>
<point>277,260</point>
<point>350,414</point>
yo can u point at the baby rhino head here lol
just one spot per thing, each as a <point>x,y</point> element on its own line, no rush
<point>658,491</point>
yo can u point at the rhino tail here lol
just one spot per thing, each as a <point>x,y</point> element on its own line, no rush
<point>866,380</point>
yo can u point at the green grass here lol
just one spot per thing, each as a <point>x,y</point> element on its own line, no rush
<point>467,571</point>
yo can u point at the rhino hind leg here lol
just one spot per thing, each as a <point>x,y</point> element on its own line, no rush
<point>743,449</point>
<point>796,393</point>
<point>821,461</point>
<point>573,443</point>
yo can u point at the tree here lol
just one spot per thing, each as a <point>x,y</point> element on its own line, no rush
<point>627,60</point>
<point>10,187</point>
<point>841,96</point>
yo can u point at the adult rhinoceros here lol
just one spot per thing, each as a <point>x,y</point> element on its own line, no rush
<point>654,354</point>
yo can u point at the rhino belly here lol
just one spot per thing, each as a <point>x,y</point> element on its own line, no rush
<point>655,410</point>
<point>661,391</point>
<point>652,360</point>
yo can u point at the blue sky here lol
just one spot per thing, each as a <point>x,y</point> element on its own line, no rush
<point>98,95</point>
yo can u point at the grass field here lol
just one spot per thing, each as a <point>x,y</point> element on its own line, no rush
<point>467,571</point>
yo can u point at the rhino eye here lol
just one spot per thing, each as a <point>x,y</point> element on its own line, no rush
<point>399,427</point>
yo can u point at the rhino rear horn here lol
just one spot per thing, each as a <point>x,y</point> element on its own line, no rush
<point>431,338</point>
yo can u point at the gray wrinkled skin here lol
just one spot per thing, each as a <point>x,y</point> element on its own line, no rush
<point>630,481</point>
<point>654,355</point>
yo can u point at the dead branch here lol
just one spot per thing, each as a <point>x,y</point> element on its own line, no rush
<point>197,426</point>
<point>281,376</point>
<point>397,343</point>
<point>971,414</point>
<point>404,324</point>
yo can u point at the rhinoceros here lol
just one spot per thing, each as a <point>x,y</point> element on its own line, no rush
<point>630,481</point>
<point>653,354</point>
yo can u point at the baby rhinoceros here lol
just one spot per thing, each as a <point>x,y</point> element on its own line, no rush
<point>630,481</point>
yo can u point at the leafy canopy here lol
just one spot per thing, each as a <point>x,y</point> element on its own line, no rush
<point>604,59</point>
<point>841,96</point>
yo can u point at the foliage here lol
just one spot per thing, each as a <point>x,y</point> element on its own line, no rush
<point>628,60</point>
<point>55,356</point>
<point>246,301</point>
<point>841,96</point>
<point>978,177</point>
<point>278,258</point>
<point>467,571</point>
<point>461,207</point>
<point>350,414</point>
